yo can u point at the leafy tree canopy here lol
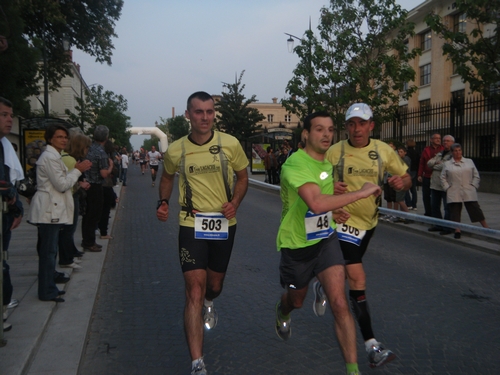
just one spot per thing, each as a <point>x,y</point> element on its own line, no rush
<point>102,107</point>
<point>475,51</point>
<point>234,116</point>
<point>360,54</point>
<point>18,63</point>
<point>34,26</point>
<point>175,128</point>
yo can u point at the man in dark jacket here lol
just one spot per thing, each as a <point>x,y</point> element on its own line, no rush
<point>424,172</point>
<point>12,218</point>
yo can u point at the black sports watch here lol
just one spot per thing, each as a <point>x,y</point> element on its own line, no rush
<point>160,202</point>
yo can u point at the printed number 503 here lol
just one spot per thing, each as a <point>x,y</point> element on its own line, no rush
<point>211,224</point>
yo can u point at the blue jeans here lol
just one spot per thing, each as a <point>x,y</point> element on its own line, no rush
<point>438,196</point>
<point>411,195</point>
<point>123,176</point>
<point>48,235</point>
<point>7,287</point>
<point>67,248</point>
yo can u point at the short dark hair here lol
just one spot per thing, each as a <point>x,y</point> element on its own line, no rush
<point>202,95</point>
<point>311,116</point>
<point>455,145</point>
<point>5,102</point>
<point>51,130</point>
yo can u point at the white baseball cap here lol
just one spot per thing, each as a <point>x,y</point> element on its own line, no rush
<point>360,110</point>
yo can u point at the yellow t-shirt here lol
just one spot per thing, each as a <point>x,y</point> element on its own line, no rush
<point>205,172</point>
<point>70,162</point>
<point>355,166</point>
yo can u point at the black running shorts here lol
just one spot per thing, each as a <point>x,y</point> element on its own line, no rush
<point>299,266</point>
<point>352,253</point>
<point>155,167</point>
<point>202,254</point>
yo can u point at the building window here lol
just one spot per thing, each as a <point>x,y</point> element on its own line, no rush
<point>426,40</point>
<point>288,118</point>
<point>425,110</point>
<point>406,86</point>
<point>270,118</point>
<point>459,23</point>
<point>458,96</point>
<point>425,74</point>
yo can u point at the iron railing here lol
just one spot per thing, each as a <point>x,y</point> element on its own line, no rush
<point>475,124</point>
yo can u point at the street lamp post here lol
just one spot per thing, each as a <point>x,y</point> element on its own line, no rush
<point>45,83</point>
<point>66,47</point>
<point>290,43</point>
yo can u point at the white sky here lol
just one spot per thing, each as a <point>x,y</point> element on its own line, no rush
<point>168,49</point>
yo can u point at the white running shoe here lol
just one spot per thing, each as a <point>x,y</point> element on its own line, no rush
<point>320,301</point>
<point>210,317</point>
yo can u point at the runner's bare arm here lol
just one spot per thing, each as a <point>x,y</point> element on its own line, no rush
<point>240,189</point>
<point>318,202</point>
<point>166,186</point>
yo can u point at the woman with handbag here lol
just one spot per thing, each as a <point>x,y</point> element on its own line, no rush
<point>52,207</point>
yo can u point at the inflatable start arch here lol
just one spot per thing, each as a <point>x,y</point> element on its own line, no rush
<point>152,131</point>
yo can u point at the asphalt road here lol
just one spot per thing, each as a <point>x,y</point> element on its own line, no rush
<point>433,303</point>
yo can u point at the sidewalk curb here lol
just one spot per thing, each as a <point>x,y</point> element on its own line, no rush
<point>47,337</point>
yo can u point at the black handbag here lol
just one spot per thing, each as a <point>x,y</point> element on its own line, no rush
<point>27,187</point>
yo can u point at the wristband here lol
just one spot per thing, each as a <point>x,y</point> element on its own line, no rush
<point>160,202</point>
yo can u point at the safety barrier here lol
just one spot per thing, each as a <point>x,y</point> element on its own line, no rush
<point>488,232</point>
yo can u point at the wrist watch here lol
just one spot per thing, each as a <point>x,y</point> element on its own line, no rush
<point>160,202</point>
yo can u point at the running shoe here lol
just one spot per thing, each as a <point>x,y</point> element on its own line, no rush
<point>199,369</point>
<point>378,355</point>
<point>282,327</point>
<point>397,219</point>
<point>209,317</point>
<point>319,304</point>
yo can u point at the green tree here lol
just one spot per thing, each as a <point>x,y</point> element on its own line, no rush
<point>87,24</point>
<point>361,55</point>
<point>18,63</point>
<point>234,116</point>
<point>153,141</point>
<point>304,88</point>
<point>177,127</point>
<point>102,107</point>
<point>474,52</point>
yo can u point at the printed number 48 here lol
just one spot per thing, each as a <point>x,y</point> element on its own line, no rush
<point>322,222</point>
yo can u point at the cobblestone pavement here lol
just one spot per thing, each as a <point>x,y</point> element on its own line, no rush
<point>434,303</point>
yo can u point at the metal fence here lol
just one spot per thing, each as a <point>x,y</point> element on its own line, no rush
<point>474,123</point>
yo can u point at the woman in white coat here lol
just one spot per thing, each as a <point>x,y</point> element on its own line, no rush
<point>460,180</point>
<point>52,207</point>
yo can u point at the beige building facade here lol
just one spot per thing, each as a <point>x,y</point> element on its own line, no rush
<point>64,98</point>
<point>435,76</point>
<point>276,115</point>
